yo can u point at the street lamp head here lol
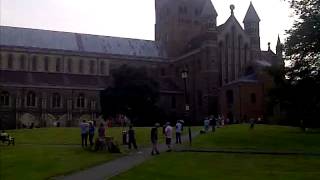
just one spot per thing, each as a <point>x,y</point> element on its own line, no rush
<point>184,73</point>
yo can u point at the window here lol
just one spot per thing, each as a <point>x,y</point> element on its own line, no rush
<point>0,60</point>
<point>10,61</point>
<point>81,66</point>
<point>58,65</point>
<point>199,64</point>
<point>253,98</point>
<point>200,96</point>
<point>34,63</point>
<point>69,66</point>
<point>46,63</point>
<point>80,101</point>
<point>56,100</point>
<point>102,64</point>
<point>173,102</point>
<point>163,72</point>
<point>91,67</point>
<point>4,99</point>
<point>22,62</point>
<point>31,99</point>
<point>230,97</point>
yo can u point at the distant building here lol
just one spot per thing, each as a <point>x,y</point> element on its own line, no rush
<point>49,77</point>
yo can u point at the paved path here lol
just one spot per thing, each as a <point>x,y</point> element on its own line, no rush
<point>115,167</point>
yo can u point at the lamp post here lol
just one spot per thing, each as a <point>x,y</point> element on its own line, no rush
<point>184,76</point>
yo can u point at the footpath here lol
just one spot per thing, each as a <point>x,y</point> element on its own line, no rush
<point>117,166</point>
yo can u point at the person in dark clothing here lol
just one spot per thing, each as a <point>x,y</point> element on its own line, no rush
<point>132,138</point>
<point>154,139</point>
<point>91,133</point>
<point>214,124</point>
<point>252,123</point>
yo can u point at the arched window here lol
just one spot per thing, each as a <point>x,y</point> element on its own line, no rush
<point>226,64</point>
<point>4,98</point>
<point>69,66</point>
<point>46,63</point>
<point>22,62</point>
<point>31,99</point>
<point>80,101</point>
<point>173,102</point>
<point>91,67</point>
<point>253,98</point>
<point>34,63</point>
<point>10,61</point>
<point>0,60</point>
<point>229,95</point>
<point>56,100</point>
<point>80,66</point>
<point>102,66</point>
<point>58,65</point>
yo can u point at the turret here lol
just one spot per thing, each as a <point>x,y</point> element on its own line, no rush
<point>251,26</point>
<point>209,15</point>
<point>279,48</point>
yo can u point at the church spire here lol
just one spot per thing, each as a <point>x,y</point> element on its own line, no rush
<point>252,27</point>
<point>279,48</point>
<point>251,15</point>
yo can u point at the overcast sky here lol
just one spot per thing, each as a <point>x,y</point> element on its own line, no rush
<point>130,18</point>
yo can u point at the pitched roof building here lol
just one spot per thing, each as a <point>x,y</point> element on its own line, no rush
<point>50,77</point>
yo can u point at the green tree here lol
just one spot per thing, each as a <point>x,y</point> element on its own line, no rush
<point>132,93</point>
<point>299,93</point>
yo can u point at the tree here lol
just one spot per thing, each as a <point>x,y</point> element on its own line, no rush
<point>299,93</point>
<point>132,93</point>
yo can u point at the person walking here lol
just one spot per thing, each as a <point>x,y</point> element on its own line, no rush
<point>91,133</point>
<point>154,139</point>
<point>132,138</point>
<point>168,134</point>
<point>252,123</point>
<point>178,132</point>
<point>214,123</point>
<point>84,133</point>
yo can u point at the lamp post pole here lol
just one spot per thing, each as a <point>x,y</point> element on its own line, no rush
<point>184,75</point>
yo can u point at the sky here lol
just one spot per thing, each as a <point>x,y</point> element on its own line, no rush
<point>131,18</point>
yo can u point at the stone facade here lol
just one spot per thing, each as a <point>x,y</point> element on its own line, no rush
<point>49,77</point>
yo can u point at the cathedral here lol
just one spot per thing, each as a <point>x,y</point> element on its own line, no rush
<point>50,77</point>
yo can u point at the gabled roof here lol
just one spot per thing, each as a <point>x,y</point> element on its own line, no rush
<point>53,40</point>
<point>251,15</point>
<point>208,9</point>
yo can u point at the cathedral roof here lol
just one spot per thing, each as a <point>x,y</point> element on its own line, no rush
<point>251,15</point>
<point>208,9</point>
<point>54,40</point>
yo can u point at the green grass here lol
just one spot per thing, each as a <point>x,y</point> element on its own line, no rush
<point>208,166</point>
<point>46,152</point>
<point>184,165</point>
<point>263,137</point>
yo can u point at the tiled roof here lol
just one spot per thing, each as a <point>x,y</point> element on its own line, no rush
<point>44,39</point>
<point>53,79</point>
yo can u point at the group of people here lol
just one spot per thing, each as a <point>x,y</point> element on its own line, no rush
<point>168,133</point>
<point>88,131</point>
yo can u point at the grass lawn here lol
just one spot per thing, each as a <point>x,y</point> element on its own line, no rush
<point>46,152</point>
<point>263,137</point>
<point>187,165</point>
<point>208,166</point>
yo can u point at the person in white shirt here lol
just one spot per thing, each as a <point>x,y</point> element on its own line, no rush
<point>178,132</point>
<point>168,133</point>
